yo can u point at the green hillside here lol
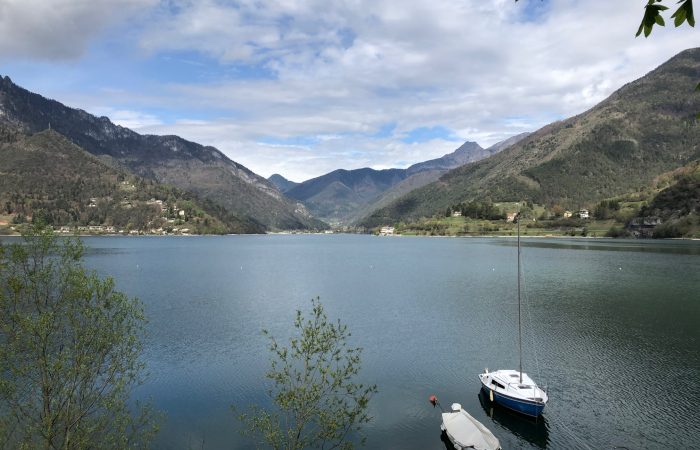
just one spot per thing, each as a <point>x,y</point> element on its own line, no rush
<point>646,128</point>
<point>202,170</point>
<point>45,175</point>
<point>678,205</point>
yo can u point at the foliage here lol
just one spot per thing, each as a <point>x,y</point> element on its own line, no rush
<point>69,351</point>
<point>680,199</point>
<point>319,405</point>
<point>617,232</point>
<point>678,205</point>
<point>652,15</point>
<point>606,209</point>
<point>479,210</point>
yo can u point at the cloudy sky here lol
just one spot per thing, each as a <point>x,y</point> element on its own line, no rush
<point>301,88</point>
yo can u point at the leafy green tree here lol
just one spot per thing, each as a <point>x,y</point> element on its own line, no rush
<point>318,402</point>
<point>69,351</point>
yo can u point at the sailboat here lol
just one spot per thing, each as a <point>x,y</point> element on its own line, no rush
<point>513,388</point>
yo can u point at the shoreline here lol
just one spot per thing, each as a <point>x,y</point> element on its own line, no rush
<point>283,233</point>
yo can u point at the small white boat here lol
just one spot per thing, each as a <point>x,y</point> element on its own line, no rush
<point>466,432</point>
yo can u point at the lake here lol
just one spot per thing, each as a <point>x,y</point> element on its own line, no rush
<point>612,328</point>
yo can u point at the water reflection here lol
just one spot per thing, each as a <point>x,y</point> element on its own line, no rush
<point>445,440</point>
<point>533,430</point>
<point>677,247</point>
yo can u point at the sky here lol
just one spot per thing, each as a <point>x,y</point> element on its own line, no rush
<point>302,88</point>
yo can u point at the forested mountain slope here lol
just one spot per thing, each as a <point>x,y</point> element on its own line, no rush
<point>645,128</point>
<point>46,175</point>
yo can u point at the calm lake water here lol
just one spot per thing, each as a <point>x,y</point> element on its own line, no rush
<point>612,329</point>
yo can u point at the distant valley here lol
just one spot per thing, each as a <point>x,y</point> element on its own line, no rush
<point>342,197</point>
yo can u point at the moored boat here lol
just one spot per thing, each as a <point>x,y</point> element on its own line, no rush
<point>465,432</point>
<point>516,392</point>
<point>514,389</point>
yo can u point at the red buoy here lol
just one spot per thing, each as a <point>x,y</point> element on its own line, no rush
<point>432,399</point>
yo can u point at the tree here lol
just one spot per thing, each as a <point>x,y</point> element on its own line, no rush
<point>318,402</point>
<point>69,351</point>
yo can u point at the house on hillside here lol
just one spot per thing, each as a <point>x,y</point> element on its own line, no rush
<point>510,217</point>
<point>567,214</point>
<point>386,231</point>
<point>457,214</point>
<point>584,214</point>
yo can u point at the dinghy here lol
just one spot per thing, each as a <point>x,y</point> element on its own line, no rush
<point>466,432</point>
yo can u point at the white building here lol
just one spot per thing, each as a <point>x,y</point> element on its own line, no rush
<point>386,231</point>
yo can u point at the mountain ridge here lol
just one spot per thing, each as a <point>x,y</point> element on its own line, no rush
<point>645,128</point>
<point>170,159</point>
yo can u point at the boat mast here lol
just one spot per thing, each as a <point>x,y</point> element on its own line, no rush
<point>520,334</point>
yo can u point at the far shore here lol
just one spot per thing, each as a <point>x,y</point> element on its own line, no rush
<point>5,233</point>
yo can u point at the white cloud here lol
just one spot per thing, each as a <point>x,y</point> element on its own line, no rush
<point>134,120</point>
<point>58,29</point>
<point>344,70</point>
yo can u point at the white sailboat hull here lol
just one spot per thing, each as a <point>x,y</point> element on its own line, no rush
<point>507,388</point>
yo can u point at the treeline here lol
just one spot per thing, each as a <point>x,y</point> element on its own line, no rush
<point>678,207</point>
<point>140,209</point>
<point>477,210</point>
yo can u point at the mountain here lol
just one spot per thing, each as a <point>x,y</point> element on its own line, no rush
<point>336,195</point>
<point>466,153</point>
<point>644,129</point>
<point>343,196</point>
<point>425,177</point>
<point>204,171</point>
<point>47,175</point>
<point>281,183</point>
